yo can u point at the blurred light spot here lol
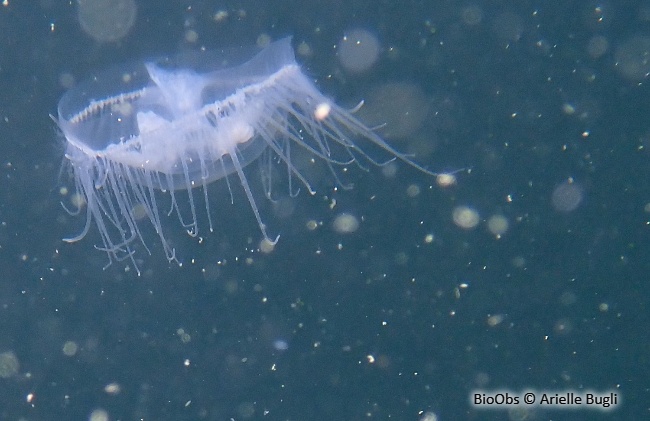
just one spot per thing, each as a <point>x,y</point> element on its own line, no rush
<point>113,388</point>
<point>465,217</point>
<point>597,46</point>
<point>446,179</point>
<point>280,345</point>
<point>358,50</point>
<point>429,416</point>
<point>632,58</point>
<point>106,20</point>
<point>266,246</point>
<point>566,197</point>
<point>399,109</point>
<point>66,80</point>
<point>497,225</point>
<point>9,364</point>
<point>413,190</point>
<point>345,223</point>
<point>70,348</point>
<point>563,327</point>
<point>495,320</point>
<point>98,415</point>
<point>471,15</point>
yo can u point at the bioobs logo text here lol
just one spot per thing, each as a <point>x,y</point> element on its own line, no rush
<point>495,399</point>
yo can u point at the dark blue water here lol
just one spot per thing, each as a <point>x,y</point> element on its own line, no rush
<point>379,323</point>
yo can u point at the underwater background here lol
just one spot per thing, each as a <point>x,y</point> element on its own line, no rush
<point>395,299</point>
